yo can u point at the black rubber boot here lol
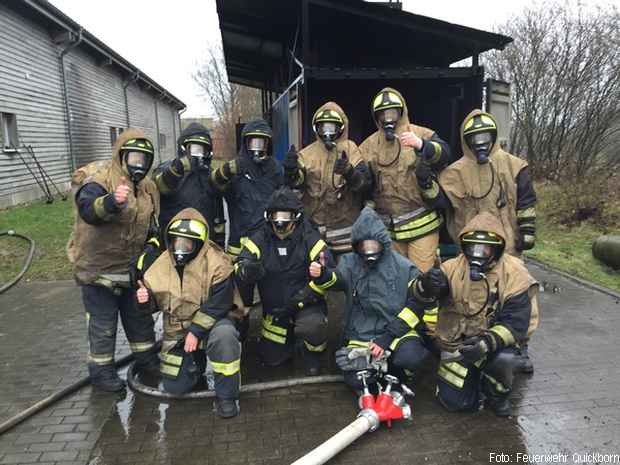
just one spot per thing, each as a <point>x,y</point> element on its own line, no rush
<point>312,363</point>
<point>147,363</point>
<point>500,406</point>
<point>105,378</point>
<point>526,365</point>
<point>226,408</point>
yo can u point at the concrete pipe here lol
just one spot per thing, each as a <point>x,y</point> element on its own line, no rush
<point>607,249</point>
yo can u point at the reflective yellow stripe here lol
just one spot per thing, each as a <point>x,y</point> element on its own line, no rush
<point>203,320</point>
<point>171,359</point>
<point>432,192</point>
<point>99,208</point>
<point>252,247</point>
<point>101,359</point>
<point>499,386</point>
<point>419,221</point>
<point>430,315</point>
<point>226,369</point>
<point>161,184</point>
<point>169,370</point>
<point>413,233</point>
<point>457,368</point>
<point>316,249</point>
<point>154,241</point>
<point>329,283</point>
<point>451,377</point>
<point>141,346</point>
<point>407,315</point>
<point>316,288</point>
<point>354,343</point>
<point>236,267</point>
<point>268,324</point>
<point>437,147</point>
<point>527,213</point>
<point>319,348</point>
<point>504,333</point>
<point>232,250</point>
<point>272,337</point>
<point>397,341</point>
<point>140,263</point>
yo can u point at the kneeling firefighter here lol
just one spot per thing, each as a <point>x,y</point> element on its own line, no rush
<point>379,313</point>
<point>332,176</point>
<point>393,153</point>
<point>276,257</point>
<point>191,282</point>
<point>117,208</point>
<point>488,306</point>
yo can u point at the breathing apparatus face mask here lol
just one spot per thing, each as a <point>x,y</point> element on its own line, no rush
<point>480,143</point>
<point>328,132</point>
<point>283,222</point>
<point>257,146</point>
<point>370,250</point>
<point>200,154</point>
<point>137,165</point>
<point>480,258</point>
<point>183,249</point>
<point>387,119</point>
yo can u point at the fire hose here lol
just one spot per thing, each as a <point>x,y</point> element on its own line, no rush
<point>27,262</point>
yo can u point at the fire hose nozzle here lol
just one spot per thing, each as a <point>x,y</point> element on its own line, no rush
<point>372,417</point>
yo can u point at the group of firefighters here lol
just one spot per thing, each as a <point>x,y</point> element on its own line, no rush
<point>332,217</point>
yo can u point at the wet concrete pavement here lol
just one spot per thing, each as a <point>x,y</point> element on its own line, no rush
<point>570,405</point>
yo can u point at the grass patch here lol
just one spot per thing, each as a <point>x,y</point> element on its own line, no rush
<point>49,225</point>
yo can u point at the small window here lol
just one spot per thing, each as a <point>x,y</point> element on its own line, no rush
<point>162,141</point>
<point>9,132</point>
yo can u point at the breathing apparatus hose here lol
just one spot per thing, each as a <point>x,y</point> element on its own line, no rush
<point>27,262</point>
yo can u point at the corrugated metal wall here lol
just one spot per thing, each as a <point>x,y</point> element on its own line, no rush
<point>31,87</point>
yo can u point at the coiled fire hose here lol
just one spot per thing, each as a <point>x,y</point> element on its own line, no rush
<point>27,262</point>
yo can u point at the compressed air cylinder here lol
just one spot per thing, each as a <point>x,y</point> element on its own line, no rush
<point>607,249</point>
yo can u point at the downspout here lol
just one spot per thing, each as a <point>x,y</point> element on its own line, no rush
<point>133,78</point>
<point>157,128</point>
<point>61,59</point>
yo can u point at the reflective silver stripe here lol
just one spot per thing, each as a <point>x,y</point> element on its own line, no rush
<point>141,346</point>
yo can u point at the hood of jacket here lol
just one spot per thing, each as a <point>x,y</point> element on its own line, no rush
<point>194,129</point>
<point>487,222</point>
<point>338,109</point>
<point>369,226</point>
<point>403,123</point>
<point>467,152</point>
<point>126,135</point>
<point>190,214</point>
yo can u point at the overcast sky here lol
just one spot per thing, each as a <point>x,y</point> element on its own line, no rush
<point>166,39</point>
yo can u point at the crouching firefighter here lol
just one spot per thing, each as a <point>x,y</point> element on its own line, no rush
<point>191,282</point>
<point>117,208</point>
<point>276,257</point>
<point>488,306</point>
<point>378,314</point>
<point>332,176</point>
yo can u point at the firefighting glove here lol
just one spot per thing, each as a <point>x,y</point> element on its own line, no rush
<point>181,165</point>
<point>291,162</point>
<point>234,167</point>
<point>250,270</point>
<point>304,297</point>
<point>342,165</point>
<point>525,240</point>
<point>432,284</point>
<point>424,174</point>
<point>474,348</point>
<point>357,363</point>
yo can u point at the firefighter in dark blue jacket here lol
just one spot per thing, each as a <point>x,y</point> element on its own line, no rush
<point>247,182</point>
<point>276,257</point>
<point>380,314</point>
<point>184,182</point>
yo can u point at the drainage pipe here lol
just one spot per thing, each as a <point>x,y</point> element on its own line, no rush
<point>64,51</point>
<point>27,262</point>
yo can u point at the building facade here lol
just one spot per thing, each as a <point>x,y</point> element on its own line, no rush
<point>65,96</point>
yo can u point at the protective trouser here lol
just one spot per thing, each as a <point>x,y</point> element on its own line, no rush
<point>102,311</point>
<point>422,251</point>
<point>459,385</point>
<point>408,353</point>
<point>278,335</point>
<point>181,370</point>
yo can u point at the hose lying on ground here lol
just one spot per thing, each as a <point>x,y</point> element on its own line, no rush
<point>27,262</point>
<point>137,386</point>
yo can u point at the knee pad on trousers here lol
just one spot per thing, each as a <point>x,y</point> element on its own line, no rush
<point>457,399</point>
<point>409,354</point>
<point>224,339</point>
<point>502,367</point>
<point>311,326</point>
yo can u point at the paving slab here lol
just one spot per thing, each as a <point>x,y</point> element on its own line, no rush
<point>571,405</point>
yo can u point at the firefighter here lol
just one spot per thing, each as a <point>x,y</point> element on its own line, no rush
<point>184,182</point>
<point>247,182</point>
<point>379,316</point>
<point>117,208</point>
<point>191,282</point>
<point>485,179</point>
<point>332,176</point>
<point>276,257</point>
<point>393,152</point>
<point>488,306</point>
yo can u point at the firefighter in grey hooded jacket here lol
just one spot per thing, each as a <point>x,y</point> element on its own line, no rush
<point>376,281</point>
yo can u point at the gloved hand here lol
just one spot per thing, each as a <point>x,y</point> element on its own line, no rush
<point>432,283</point>
<point>291,162</point>
<point>232,168</point>
<point>342,165</point>
<point>474,348</point>
<point>525,240</point>
<point>251,270</point>
<point>424,174</point>
<point>302,298</point>
<point>347,364</point>
<point>182,164</point>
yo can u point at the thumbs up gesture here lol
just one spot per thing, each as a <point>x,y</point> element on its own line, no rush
<point>121,193</point>
<point>316,268</point>
<point>342,165</point>
<point>142,294</point>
